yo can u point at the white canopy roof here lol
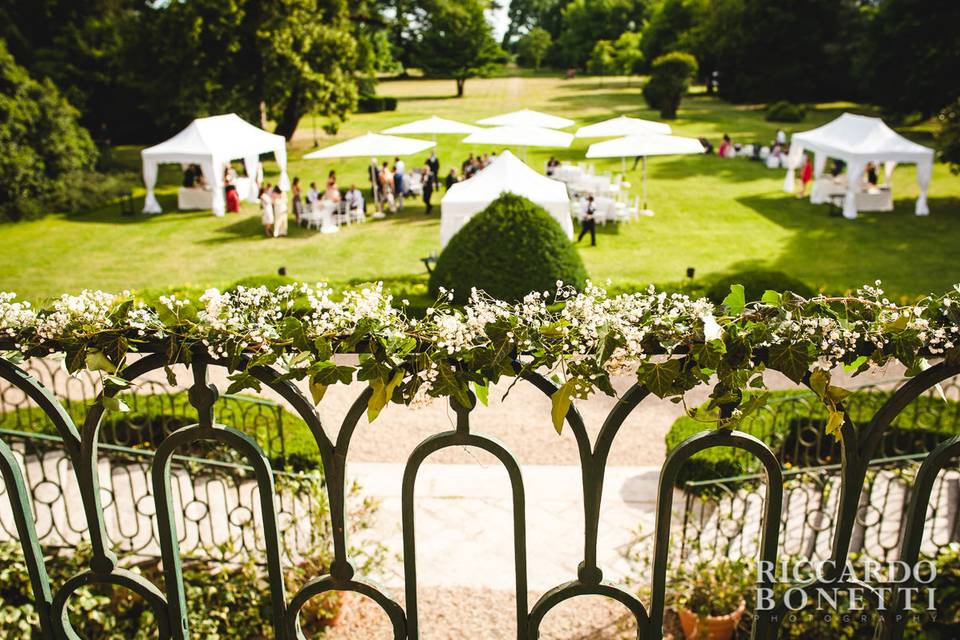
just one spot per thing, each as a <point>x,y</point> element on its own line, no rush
<point>506,173</point>
<point>212,142</point>
<point>520,137</point>
<point>526,118</point>
<point>650,144</point>
<point>858,140</point>
<point>622,126</point>
<point>432,125</point>
<point>372,144</point>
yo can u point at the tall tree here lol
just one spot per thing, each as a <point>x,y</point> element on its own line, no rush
<point>277,61</point>
<point>525,15</point>
<point>533,46</point>
<point>910,61</point>
<point>586,21</point>
<point>627,53</point>
<point>41,140</point>
<point>456,41</point>
<point>602,59</point>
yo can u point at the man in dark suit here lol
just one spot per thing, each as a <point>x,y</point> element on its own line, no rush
<point>589,223</point>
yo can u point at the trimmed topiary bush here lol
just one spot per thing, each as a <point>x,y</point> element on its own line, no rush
<point>670,77</point>
<point>509,249</point>
<point>784,111</point>
<point>755,282</point>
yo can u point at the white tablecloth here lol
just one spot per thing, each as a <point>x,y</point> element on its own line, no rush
<point>567,173</point>
<point>189,198</point>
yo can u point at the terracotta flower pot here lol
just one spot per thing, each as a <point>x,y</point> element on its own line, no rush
<point>710,627</point>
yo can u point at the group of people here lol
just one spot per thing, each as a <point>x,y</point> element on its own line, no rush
<point>474,164</point>
<point>273,210</point>
<point>390,185</point>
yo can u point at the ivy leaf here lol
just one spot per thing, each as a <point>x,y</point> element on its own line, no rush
<point>854,367</point>
<point>792,359</point>
<point>482,392</point>
<point>242,381</point>
<point>323,349</point>
<point>113,403</point>
<point>317,391</point>
<point>658,377</point>
<point>95,360</point>
<point>772,298</point>
<point>736,300</point>
<point>560,401</point>
<point>382,392</point>
<point>835,424</point>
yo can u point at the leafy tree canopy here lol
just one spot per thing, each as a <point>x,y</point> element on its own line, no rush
<point>456,41</point>
<point>533,46</point>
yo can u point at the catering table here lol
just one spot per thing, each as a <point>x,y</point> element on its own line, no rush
<point>567,173</point>
<point>189,198</point>
<point>829,189</point>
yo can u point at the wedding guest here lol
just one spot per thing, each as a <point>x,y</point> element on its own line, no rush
<point>354,199</point>
<point>806,175</point>
<point>279,212</point>
<point>399,184</point>
<point>452,179</point>
<point>434,163</point>
<point>313,196</point>
<point>386,187</point>
<point>373,173</point>
<point>589,223</point>
<point>266,209</point>
<point>427,190</point>
<point>872,174</point>
<point>297,202</point>
<point>331,179</point>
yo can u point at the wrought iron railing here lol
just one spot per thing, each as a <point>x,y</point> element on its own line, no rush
<point>860,444</point>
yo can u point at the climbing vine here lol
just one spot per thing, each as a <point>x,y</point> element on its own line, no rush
<point>670,342</point>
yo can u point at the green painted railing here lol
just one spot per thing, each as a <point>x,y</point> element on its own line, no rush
<point>860,446</point>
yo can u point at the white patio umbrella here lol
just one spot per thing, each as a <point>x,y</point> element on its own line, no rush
<point>652,144</point>
<point>432,126</point>
<point>622,126</point>
<point>521,137</point>
<point>370,145</point>
<point>526,118</point>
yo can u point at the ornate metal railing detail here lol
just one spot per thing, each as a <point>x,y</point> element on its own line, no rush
<point>82,447</point>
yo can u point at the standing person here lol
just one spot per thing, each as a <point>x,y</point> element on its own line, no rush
<point>872,174</point>
<point>354,199</point>
<point>279,212</point>
<point>781,137</point>
<point>266,209</point>
<point>399,184</point>
<point>434,163</point>
<point>428,180</point>
<point>230,189</point>
<point>452,179</point>
<point>386,186</point>
<point>313,196</point>
<point>297,201</point>
<point>806,175</point>
<point>373,172</point>
<point>589,223</point>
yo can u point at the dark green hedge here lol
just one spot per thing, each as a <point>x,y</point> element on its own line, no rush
<point>509,249</point>
<point>784,111</point>
<point>375,104</point>
<point>792,417</point>
<point>755,282</point>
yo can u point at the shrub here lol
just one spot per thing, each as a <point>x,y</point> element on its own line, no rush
<point>948,138</point>
<point>41,139</point>
<point>509,249</point>
<point>784,111</point>
<point>376,104</point>
<point>755,282</point>
<point>669,80</point>
<point>794,415</point>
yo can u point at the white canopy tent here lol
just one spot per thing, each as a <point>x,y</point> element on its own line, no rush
<point>651,144</point>
<point>432,126</point>
<point>371,145</point>
<point>858,140</point>
<point>622,126</point>
<point>506,173</point>
<point>211,143</point>
<point>514,136</point>
<point>526,118</point>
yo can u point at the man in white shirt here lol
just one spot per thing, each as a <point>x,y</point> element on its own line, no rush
<point>354,199</point>
<point>313,196</point>
<point>781,137</point>
<point>399,181</point>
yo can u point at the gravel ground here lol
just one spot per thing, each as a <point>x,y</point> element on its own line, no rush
<point>455,614</point>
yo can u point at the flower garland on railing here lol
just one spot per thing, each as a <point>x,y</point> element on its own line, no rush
<point>579,338</point>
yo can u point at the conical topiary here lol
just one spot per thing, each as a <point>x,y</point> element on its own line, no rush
<point>509,249</point>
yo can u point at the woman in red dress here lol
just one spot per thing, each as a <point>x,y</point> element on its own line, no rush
<point>806,175</point>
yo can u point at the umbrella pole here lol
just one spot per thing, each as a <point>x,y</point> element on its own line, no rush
<point>644,183</point>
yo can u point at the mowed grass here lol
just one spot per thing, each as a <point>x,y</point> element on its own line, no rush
<point>715,215</point>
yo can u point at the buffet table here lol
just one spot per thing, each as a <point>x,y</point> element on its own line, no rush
<point>828,189</point>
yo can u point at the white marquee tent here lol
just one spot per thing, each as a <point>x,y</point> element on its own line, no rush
<point>211,143</point>
<point>858,140</point>
<point>505,174</point>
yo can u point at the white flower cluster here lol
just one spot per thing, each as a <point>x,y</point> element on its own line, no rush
<point>15,317</point>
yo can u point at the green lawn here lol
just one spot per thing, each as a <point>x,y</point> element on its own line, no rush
<point>715,215</point>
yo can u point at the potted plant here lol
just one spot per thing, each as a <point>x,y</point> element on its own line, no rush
<point>711,598</point>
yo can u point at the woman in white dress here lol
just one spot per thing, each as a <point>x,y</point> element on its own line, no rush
<point>266,209</point>
<point>279,212</point>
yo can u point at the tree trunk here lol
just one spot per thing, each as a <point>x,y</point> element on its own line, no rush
<point>460,83</point>
<point>292,112</point>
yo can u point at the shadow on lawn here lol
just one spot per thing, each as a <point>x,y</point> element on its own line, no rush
<point>908,253</point>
